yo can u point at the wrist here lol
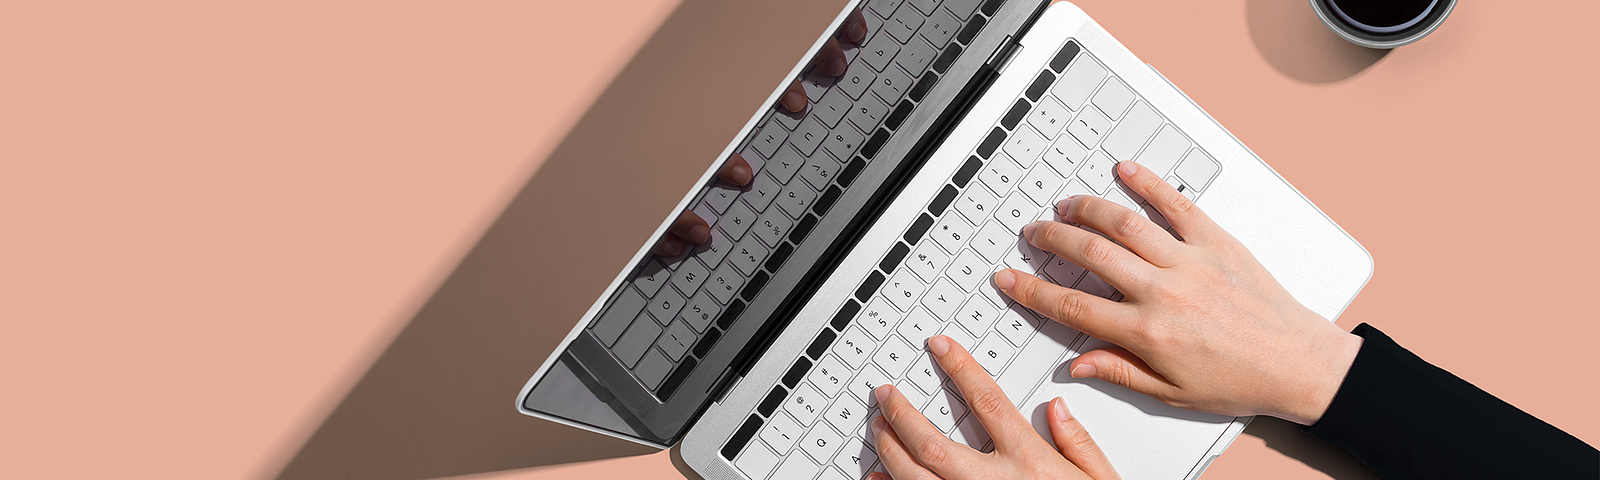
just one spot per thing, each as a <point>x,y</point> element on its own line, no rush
<point>1325,374</point>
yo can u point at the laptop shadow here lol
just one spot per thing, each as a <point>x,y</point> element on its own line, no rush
<point>1294,41</point>
<point>439,400</point>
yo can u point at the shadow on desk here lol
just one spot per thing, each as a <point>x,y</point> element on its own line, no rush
<point>439,401</point>
<point>1293,442</point>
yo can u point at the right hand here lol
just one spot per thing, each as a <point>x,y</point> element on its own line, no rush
<point>1203,325</point>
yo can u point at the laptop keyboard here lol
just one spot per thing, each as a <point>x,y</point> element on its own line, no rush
<point>803,163</point>
<point>1062,137</point>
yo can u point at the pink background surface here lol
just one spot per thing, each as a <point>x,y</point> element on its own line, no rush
<point>217,218</point>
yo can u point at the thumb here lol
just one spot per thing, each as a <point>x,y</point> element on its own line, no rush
<point>1123,368</point>
<point>1075,443</point>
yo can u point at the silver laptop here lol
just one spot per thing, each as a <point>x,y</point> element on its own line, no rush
<point>875,219</point>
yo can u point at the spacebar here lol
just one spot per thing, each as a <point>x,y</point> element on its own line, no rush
<point>1038,359</point>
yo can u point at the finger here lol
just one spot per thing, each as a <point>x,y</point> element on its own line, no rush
<point>854,29</point>
<point>922,440</point>
<point>1182,214</point>
<point>1121,367</point>
<point>894,455</point>
<point>794,100</point>
<point>1118,266</point>
<point>736,171</point>
<point>1083,312</point>
<point>691,228</point>
<point>669,246</point>
<point>831,59</point>
<point>1074,442</point>
<point>1128,227</point>
<point>984,398</point>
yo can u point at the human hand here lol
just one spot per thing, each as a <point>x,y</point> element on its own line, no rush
<point>1202,326</point>
<point>911,448</point>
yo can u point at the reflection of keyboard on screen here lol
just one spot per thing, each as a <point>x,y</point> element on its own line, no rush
<point>1061,138</point>
<point>803,163</point>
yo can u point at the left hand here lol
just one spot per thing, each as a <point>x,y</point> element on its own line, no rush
<point>911,448</point>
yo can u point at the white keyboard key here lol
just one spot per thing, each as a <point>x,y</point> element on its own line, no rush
<point>879,51</point>
<point>927,261</point>
<point>711,253</point>
<point>721,196</point>
<point>993,353</point>
<point>848,415</point>
<point>870,378</point>
<point>1038,360</point>
<point>913,396</point>
<point>821,443</point>
<point>831,108</point>
<point>768,141</point>
<point>915,56</point>
<point>926,375</point>
<point>855,458</point>
<point>1049,117</point>
<point>747,256</point>
<point>960,336</point>
<point>970,432</point>
<point>903,289</point>
<point>1065,273</point>
<point>1183,188</point>
<point>975,203</point>
<point>925,6</point>
<point>1131,133</point>
<point>977,315</point>
<point>878,318</point>
<point>903,24</point>
<point>688,278</point>
<point>808,136</point>
<point>1089,126</point>
<point>854,346</point>
<point>894,356</point>
<point>990,292</point>
<point>816,84</point>
<point>1000,174</point>
<point>782,432</point>
<point>653,368</point>
<point>1079,81</point>
<point>831,473</point>
<point>940,27</point>
<point>786,119</point>
<point>706,212</point>
<point>951,232</point>
<point>772,227</point>
<point>677,340</point>
<point>1025,145</point>
<point>737,221</point>
<point>757,461</point>
<point>700,310</point>
<point>785,165</point>
<point>1017,211</point>
<point>820,170</point>
<point>829,375</point>
<point>1074,187</point>
<point>796,467</point>
<point>1114,98</point>
<point>885,8</point>
<point>1098,172</point>
<point>891,85</point>
<point>724,283</point>
<point>968,270</point>
<point>962,8</point>
<point>665,305</point>
<point>944,410</point>
<point>1017,324</point>
<point>795,199</point>
<point>1094,285</point>
<point>1164,151</point>
<point>1198,169</point>
<point>652,276</point>
<point>628,307</point>
<point>1119,197</point>
<point>857,79</point>
<point>1041,185</point>
<point>992,241</point>
<point>761,192</point>
<point>1025,257</point>
<point>805,403</point>
<point>1065,155</point>
<point>918,326</point>
<point>842,143</point>
<point>943,299</point>
<point>868,113</point>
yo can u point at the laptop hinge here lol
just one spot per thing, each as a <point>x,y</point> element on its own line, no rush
<point>1003,54</point>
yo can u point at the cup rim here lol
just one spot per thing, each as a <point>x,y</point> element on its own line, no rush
<point>1384,41</point>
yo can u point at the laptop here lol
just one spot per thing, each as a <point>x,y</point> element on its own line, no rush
<point>875,219</point>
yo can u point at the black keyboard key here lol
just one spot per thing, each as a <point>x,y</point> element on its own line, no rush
<point>987,148</point>
<point>991,7</point>
<point>874,281</point>
<point>966,172</point>
<point>942,200</point>
<point>820,345</point>
<point>731,314</point>
<point>803,228</point>
<point>965,37</point>
<point>842,319</point>
<point>875,143</point>
<point>921,88</point>
<point>675,379</point>
<point>741,437</point>
<point>850,171</point>
<point>1014,116</point>
<point>1064,57</point>
<point>899,114</point>
<point>702,347</point>
<point>778,256</point>
<point>773,400</point>
<point>797,372</point>
<point>947,58</point>
<point>1040,85</point>
<point>825,202</point>
<point>754,287</point>
<point>918,228</point>
<point>894,257</point>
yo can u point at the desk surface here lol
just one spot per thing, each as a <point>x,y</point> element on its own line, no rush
<point>313,234</point>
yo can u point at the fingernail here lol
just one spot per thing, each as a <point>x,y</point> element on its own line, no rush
<point>1027,230</point>
<point>1005,279</point>
<point>877,425</point>
<point>882,392</point>
<point>837,67</point>
<point>855,31</point>
<point>939,345</point>
<point>1065,205</point>
<point>1085,370</point>
<point>700,233</point>
<point>1061,409</point>
<point>794,101</point>
<point>1128,168</point>
<point>741,174</point>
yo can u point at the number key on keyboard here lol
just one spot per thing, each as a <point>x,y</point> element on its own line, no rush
<point>880,50</point>
<point>748,255</point>
<point>782,432</point>
<point>1000,174</point>
<point>951,232</point>
<point>795,199</point>
<point>700,310</point>
<point>829,375</point>
<point>854,347</point>
<point>903,289</point>
<point>772,227</point>
<point>878,318</point>
<point>805,403</point>
<point>724,283</point>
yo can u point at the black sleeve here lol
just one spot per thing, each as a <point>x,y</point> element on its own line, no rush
<point>1408,419</point>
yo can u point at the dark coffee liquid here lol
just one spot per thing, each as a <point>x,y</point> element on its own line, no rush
<point>1383,14</point>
